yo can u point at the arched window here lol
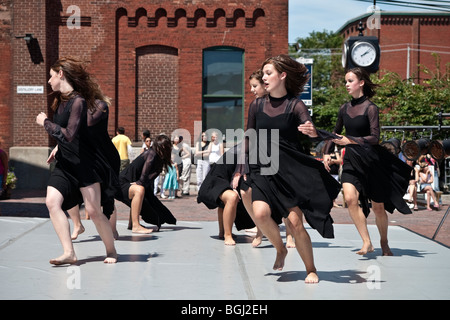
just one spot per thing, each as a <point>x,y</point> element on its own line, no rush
<point>223,88</point>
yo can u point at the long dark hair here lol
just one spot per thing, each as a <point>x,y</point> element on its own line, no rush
<point>369,88</point>
<point>74,71</point>
<point>163,148</point>
<point>296,73</point>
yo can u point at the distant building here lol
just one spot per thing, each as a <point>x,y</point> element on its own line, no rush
<point>407,39</point>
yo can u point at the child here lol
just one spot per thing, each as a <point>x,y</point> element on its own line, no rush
<point>171,180</point>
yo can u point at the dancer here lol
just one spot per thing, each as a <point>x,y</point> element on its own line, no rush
<point>216,192</point>
<point>369,172</point>
<point>107,163</point>
<point>257,88</point>
<point>74,171</point>
<point>136,182</point>
<point>300,187</point>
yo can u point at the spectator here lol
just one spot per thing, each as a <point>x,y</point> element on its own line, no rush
<point>147,140</point>
<point>202,156</point>
<point>123,146</point>
<point>185,176</point>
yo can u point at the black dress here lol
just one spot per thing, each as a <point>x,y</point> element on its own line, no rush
<point>299,179</point>
<point>107,159</point>
<point>376,173</point>
<point>143,171</point>
<point>217,181</point>
<point>74,163</point>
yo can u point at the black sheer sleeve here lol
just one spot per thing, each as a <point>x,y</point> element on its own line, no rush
<point>77,114</point>
<point>149,171</point>
<point>100,113</point>
<point>242,166</point>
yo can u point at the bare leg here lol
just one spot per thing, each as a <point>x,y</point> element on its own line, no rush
<point>268,226</point>
<point>112,222</point>
<point>381,219</point>
<point>257,240</point>
<point>78,227</point>
<point>54,200</point>
<point>246,197</point>
<point>302,243</point>
<point>357,215</point>
<point>230,199</point>
<point>290,242</point>
<point>136,194</point>
<point>91,197</point>
<point>220,221</point>
<point>428,192</point>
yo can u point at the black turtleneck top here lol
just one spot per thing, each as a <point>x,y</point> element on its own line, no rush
<point>361,121</point>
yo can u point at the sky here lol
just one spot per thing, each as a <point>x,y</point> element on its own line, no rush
<point>306,16</point>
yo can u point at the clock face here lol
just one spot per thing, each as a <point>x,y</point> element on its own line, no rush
<point>363,53</point>
<point>344,55</point>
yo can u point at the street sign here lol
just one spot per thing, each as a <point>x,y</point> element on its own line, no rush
<point>306,95</point>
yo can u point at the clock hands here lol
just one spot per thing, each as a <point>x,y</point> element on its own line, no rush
<point>367,52</point>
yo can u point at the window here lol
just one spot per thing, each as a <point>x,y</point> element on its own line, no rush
<point>223,89</point>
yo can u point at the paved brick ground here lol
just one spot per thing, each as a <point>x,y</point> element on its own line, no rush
<point>31,203</point>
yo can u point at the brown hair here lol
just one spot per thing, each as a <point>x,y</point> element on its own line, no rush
<point>369,87</point>
<point>258,74</point>
<point>163,148</point>
<point>74,71</point>
<point>296,72</point>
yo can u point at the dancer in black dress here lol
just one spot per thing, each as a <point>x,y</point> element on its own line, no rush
<point>369,171</point>
<point>107,165</point>
<point>136,182</point>
<point>299,186</point>
<point>75,159</point>
<point>216,192</point>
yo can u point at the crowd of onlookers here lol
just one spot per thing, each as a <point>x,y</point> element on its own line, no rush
<point>175,183</point>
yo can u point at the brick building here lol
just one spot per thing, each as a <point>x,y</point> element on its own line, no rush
<point>165,64</point>
<point>407,39</point>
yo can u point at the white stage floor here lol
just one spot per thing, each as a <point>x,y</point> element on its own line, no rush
<point>188,262</point>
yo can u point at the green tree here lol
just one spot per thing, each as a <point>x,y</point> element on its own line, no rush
<point>325,48</point>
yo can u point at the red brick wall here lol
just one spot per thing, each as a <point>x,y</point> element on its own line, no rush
<point>160,90</point>
<point>6,94</point>
<point>28,69</point>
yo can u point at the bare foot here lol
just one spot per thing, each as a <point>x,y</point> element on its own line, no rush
<point>142,230</point>
<point>76,232</point>
<point>257,241</point>
<point>290,243</point>
<point>312,277</point>
<point>279,260</point>
<point>111,258</point>
<point>366,249</point>
<point>64,259</point>
<point>229,241</point>
<point>115,234</point>
<point>386,251</point>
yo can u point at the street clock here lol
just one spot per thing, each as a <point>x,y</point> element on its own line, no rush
<point>361,51</point>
